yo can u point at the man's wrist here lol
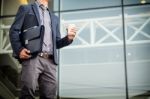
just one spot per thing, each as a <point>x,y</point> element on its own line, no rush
<point>20,50</point>
<point>70,38</point>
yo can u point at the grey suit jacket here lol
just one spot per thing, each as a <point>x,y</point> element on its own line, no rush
<point>28,16</point>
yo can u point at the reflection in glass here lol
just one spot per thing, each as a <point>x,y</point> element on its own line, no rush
<point>55,5</point>
<point>127,2</point>
<point>138,46</point>
<point>93,66</point>
<point>11,10</point>
<point>83,4</point>
<point>4,34</point>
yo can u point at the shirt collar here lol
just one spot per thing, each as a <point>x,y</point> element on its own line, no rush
<point>38,4</point>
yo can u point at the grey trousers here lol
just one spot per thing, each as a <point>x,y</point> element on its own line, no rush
<point>38,72</point>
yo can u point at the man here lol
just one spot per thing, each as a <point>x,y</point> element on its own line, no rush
<point>40,68</point>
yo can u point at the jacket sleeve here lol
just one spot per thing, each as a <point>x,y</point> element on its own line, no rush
<point>15,30</point>
<point>61,42</point>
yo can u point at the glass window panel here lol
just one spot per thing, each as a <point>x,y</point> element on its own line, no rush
<point>7,21</point>
<point>126,2</point>
<point>4,34</point>
<point>0,7</point>
<point>138,46</point>
<point>83,4</point>
<point>93,66</point>
<point>57,14</point>
<point>10,7</point>
<point>11,10</point>
<point>50,4</point>
<point>56,5</point>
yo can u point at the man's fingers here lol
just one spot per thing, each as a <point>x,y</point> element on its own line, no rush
<point>72,33</point>
<point>25,54</point>
<point>27,51</point>
<point>74,29</point>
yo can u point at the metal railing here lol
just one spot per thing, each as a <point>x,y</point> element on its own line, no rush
<point>134,34</point>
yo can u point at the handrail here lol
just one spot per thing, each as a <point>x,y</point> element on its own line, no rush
<point>5,93</point>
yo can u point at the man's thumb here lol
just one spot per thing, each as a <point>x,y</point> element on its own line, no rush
<point>26,50</point>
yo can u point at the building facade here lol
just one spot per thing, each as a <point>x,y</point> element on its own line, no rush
<point>109,58</point>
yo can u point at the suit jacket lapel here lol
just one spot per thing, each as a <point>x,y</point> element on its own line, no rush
<point>35,9</point>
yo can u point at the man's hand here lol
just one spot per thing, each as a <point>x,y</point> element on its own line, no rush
<point>24,54</point>
<point>71,31</point>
